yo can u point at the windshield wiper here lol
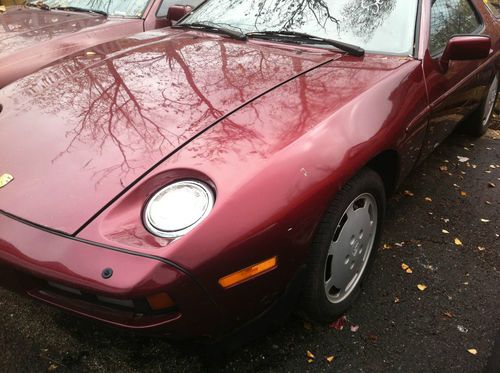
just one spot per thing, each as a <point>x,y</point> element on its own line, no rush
<point>303,37</point>
<point>77,9</point>
<point>213,27</point>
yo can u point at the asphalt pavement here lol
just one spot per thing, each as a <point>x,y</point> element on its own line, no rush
<point>443,226</point>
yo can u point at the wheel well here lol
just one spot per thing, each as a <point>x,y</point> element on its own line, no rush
<point>386,164</point>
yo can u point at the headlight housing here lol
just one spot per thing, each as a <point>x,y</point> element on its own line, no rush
<point>179,207</point>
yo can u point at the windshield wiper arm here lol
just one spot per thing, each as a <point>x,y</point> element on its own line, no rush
<point>77,9</point>
<point>290,35</point>
<point>213,27</point>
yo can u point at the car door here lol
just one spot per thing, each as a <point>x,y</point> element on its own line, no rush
<point>455,93</point>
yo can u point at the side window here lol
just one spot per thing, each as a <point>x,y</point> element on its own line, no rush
<point>494,6</point>
<point>448,18</point>
<point>165,4</point>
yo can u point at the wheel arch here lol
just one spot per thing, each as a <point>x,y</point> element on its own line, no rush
<point>387,165</point>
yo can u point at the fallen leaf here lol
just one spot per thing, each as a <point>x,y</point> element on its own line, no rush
<point>463,194</point>
<point>443,168</point>
<point>458,242</point>
<point>488,202</point>
<point>485,221</point>
<point>448,314</point>
<point>373,338</point>
<point>481,248</point>
<point>462,329</point>
<point>339,323</point>
<point>472,351</point>
<point>428,199</point>
<point>446,220</point>
<point>408,193</point>
<point>445,231</point>
<point>310,355</point>
<point>329,359</point>
<point>387,246</point>
<point>491,185</point>
<point>52,367</point>
<point>421,287</point>
<point>462,159</point>
<point>406,268</point>
<point>310,361</point>
<point>397,300</point>
<point>354,328</point>
<point>399,244</point>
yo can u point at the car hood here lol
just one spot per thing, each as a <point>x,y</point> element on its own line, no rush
<point>31,38</point>
<point>76,134</point>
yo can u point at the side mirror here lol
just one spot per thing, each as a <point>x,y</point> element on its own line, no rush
<point>176,12</point>
<point>464,48</point>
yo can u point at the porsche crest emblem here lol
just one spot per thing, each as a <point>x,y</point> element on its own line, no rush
<point>5,179</point>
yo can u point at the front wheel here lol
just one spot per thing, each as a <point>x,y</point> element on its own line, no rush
<point>344,247</point>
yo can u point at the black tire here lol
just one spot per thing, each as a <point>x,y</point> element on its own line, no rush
<point>315,301</point>
<point>476,125</point>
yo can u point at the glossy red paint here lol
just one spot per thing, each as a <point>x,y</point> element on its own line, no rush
<point>32,38</point>
<point>276,130</point>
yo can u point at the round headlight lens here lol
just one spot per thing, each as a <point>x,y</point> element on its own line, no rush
<point>178,208</point>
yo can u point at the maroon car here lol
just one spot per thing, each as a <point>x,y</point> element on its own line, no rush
<point>40,33</point>
<point>189,181</point>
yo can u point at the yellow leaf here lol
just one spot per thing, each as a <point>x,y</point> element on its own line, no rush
<point>458,242</point>
<point>404,266</point>
<point>310,355</point>
<point>330,359</point>
<point>387,246</point>
<point>310,360</point>
<point>408,270</point>
<point>421,287</point>
<point>472,351</point>
<point>463,194</point>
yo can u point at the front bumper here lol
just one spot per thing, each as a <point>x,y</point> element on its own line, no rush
<point>33,259</point>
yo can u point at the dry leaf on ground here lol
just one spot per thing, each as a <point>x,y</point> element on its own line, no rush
<point>421,287</point>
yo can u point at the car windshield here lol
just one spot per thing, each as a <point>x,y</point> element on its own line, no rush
<point>122,8</point>
<point>384,26</point>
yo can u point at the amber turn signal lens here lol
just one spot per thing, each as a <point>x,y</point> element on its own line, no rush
<point>249,273</point>
<point>160,301</point>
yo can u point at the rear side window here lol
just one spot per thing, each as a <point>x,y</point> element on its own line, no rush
<point>448,18</point>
